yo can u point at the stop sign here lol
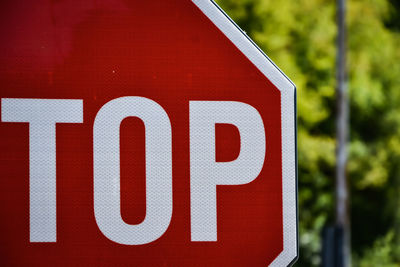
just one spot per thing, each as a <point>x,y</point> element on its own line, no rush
<point>142,133</point>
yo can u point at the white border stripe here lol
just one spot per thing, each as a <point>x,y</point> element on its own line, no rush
<point>287,89</point>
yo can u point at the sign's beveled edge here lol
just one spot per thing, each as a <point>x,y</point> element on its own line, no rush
<point>232,31</point>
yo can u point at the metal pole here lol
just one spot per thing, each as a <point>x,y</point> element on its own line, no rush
<point>342,190</point>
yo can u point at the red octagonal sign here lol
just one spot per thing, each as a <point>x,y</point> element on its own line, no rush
<point>143,133</point>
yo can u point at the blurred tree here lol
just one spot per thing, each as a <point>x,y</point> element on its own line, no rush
<point>299,36</point>
<point>393,21</point>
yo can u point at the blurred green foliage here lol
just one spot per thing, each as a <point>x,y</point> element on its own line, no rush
<point>299,36</point>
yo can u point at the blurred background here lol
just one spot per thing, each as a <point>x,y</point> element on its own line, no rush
<point>300,37</point>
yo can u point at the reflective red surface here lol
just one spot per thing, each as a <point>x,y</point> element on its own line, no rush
<point>165,50</point>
